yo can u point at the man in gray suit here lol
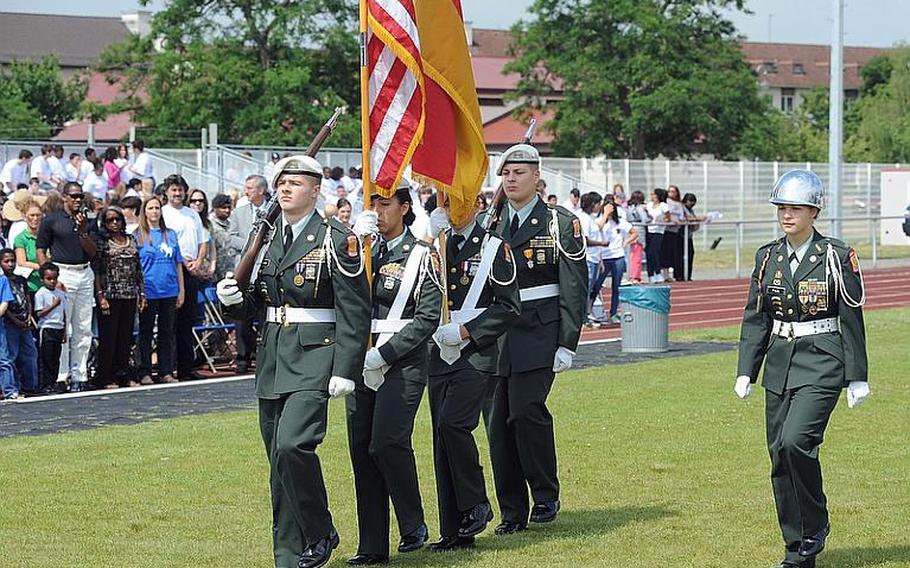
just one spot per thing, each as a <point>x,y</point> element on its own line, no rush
<point>240,225</point>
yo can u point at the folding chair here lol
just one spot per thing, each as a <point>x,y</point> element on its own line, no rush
<point>212,324</point>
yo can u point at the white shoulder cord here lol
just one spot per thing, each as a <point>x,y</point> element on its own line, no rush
<point>332,254</point>
<point>483,246</point>
<point>554,232</point>
<point>427,269</point>
<point>833,264</point>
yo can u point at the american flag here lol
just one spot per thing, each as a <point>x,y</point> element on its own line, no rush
<point>396,89</point>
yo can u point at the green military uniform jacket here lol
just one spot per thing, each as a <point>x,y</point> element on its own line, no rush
<point>406,351</point>
<point>827,359</point>
<point>499,299</point>
<point>545,324</point>
<point>303,356</point>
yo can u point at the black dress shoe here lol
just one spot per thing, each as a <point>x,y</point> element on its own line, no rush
<point>191,376</point>
<point>452,543</point>
<point>510,527</point>
<point>362,559</point>
<point>242,367</point>
<point>475,521</point>
<point>814,544</point>
<point>414,540</point>
<point>318,553</point>
<point>544,512</point>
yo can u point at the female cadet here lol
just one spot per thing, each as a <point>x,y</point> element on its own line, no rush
<point>804,318</point>
<point>407,300</point>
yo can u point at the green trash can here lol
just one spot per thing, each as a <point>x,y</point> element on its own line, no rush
<point>645,318</point>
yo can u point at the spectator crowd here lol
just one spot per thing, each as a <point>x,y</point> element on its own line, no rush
<point>107,273</point>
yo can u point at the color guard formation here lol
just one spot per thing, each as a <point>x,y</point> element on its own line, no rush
<point>501,301</point>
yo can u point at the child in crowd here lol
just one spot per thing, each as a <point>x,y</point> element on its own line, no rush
<point>17,323</point>
<point>7,378</point>
<point>50,307</point>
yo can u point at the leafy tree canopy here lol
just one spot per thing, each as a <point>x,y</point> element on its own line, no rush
<point>41,86</point>
<point>266,71</point>
<point>641,78</point>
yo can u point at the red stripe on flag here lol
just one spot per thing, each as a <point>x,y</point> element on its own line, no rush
<point>400,34</point>
<point>385,96</point>
<point>436,156</point>
<point>396,154</point>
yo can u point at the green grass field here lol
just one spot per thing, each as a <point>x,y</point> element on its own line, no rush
<point>661,466</point>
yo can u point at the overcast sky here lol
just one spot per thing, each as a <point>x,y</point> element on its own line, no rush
<point>867,22</point>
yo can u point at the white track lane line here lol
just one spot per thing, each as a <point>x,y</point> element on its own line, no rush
<point>127,390</point>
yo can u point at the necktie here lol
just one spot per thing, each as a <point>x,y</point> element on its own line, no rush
<point>383,250</point>
<point>455,244</point>
<point>513,228</point>
<point>288,238</point>
<point>794,262</point>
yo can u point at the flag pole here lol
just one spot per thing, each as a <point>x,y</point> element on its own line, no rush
<point>444,277</point>
<point>365,133</point>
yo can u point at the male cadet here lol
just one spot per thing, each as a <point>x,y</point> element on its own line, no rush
<point>549,252</point>
<point>312,293</point>
<point>483,303</point>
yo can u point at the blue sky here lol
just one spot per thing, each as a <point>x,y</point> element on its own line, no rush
<point>868,22</point>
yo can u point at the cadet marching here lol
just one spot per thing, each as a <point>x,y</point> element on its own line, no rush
<point>501,300</point>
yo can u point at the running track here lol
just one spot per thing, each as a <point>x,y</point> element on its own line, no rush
<point>719,303</point>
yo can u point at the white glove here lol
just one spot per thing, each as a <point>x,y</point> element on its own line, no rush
<point>857,392</point>
<point>448,334</point>
<point>339,386</point>
<point>563,360</point>
<point>228,291</point>
<point>439,221</point>
<point>367,223</point>
<point>374,360</point>
<point>743,386</point>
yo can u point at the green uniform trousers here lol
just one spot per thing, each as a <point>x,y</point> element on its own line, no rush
<point>522,446</point>
<point>380,425</point>
<point>292,427</point>
<point>456,399</point>
<point>796,422</point>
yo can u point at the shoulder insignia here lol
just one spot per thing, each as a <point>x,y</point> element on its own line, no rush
<point>353,246</point>
<point>854,261</point>
<point>576,228</point>
<point>434,257</point>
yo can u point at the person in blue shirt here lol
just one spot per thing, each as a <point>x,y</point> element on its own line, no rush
<point>7,378</point>
<point>159,254</point>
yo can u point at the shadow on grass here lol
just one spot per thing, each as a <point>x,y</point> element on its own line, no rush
<point>570,525</point>
<point>860,557</point>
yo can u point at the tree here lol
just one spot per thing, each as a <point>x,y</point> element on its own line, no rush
<point>781,136</point>
<point>18,119</point>
<point>41,86</point>
<point>883,131</point>
<point>640,78</point>
<point>266,71</point>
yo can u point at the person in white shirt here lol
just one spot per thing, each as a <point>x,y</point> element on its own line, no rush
<point>55,164</point>
<point>672,248</point>
<point>88,162</point>
<point>269,170</point>
<point>659,212</point>
<point>190,236</point>
<point>573,202</point>
<point>96,182</point>
<point>590,207</point>
<point>73,169</point>
<point>15,171</point>
<point>618,234</point>
<point>141,167</point>
<point>41,170</point>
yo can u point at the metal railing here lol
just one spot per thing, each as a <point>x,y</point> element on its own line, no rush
<point>740,240</point>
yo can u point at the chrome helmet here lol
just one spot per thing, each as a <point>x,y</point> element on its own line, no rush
<point>799,187</point>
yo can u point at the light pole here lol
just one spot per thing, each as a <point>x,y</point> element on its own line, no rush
<point>836,117</point>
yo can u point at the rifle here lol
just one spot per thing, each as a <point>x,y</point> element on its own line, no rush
<point>264,227</point>
<point>498,202</point>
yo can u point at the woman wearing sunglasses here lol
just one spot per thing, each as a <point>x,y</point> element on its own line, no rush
<point>199,203</point>
<point>120,290</point>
